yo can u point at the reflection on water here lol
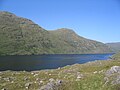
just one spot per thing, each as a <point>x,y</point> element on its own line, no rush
<point>39,62</point>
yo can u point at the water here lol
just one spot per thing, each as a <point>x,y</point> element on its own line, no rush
<point>31,63</point>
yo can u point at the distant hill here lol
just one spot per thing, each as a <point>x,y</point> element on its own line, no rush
<point>70,42</point>
<point>114,46</point>
<point>20,36</point>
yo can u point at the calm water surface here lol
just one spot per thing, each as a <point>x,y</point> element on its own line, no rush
<point>39,62</point>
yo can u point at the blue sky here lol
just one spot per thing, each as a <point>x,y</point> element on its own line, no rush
<point>94,19</point>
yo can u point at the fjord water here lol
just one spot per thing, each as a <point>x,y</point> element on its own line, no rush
<point>39,62</point>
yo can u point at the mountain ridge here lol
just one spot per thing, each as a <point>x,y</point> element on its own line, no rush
<point>21,36</point>
<point>115,46</point>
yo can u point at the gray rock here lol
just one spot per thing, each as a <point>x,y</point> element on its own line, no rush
<point>114,69</point>
<point>95,72</point>
<point>116,81</point>
<point>49,86</point>
<point>12,81</point>
<point>106,79</point>
<point>38,79</point>
<point>25,78</point>
<point>41,81</point>
<point>32,73</point>
<point>79,75</point>
<point>51,80</point>
<point>35,75</point>
<point>52,85</point>
<point>27,85</point>
<point>7,79</point>
<point>113,75</point>
<point>58,82</point>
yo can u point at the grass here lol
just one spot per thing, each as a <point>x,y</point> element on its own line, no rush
<point>93,77</point>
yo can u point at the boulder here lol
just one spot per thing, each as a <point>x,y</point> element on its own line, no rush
<point>116,81</point>
<point>48,86</point>
<point>113,70</point>
<point>27,85</point>
<point>52,85</point>
<point>113,75</point>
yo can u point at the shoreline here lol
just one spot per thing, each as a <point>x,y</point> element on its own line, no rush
<point>58,54</point>
<point>85,76</point>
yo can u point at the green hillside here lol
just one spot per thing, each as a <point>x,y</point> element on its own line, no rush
<point>114,46</point>
<point>20,36</point>
<point>78,44</point>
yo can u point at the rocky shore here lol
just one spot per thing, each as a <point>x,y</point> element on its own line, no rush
<point>97,75</point>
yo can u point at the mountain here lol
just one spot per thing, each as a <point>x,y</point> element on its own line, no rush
<point>114,46</point>
<point>21,36</point>
<point>73,43</point>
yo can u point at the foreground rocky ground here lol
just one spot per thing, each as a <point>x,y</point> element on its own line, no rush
<point>97,75</point>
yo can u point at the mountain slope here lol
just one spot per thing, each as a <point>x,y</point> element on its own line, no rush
<point>78,44</point>
<point>114,46</point>
<point>20,36</point>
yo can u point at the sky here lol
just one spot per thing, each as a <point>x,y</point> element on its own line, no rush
<point>93,19</point>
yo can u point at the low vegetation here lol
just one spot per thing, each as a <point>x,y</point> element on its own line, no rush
<point>97,75</point>
<point>115,46</point>
<point>20,36</point>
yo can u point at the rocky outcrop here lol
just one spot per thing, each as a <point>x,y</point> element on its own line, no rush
<point>113,75</point>
<point>52,85</point>
<point>113,70</point>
